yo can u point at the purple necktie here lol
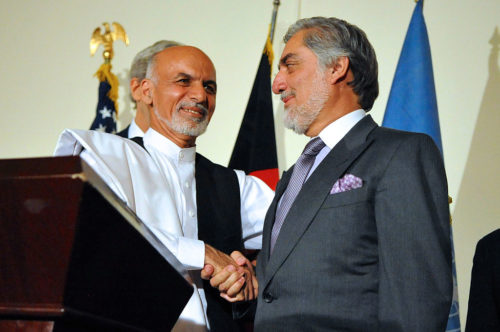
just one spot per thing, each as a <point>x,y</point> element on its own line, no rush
<point>300,171</point>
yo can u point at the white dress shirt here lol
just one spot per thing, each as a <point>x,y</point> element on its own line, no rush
<point>334,132</point>
<point>159,185</point>
<point>134,130</point>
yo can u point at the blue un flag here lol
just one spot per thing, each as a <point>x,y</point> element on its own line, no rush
<point>412,106</point>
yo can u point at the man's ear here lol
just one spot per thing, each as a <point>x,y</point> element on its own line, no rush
<point>147,91</point>
<point>339,70</point>
<point>135,89</point>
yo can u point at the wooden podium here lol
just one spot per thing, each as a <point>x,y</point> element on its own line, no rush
<point>73,257</point>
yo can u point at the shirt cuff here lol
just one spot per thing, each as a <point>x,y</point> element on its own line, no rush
<point>191,253</point>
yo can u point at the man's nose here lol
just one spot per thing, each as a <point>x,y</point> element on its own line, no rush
<point>279,84</point>
<point>197,93</point>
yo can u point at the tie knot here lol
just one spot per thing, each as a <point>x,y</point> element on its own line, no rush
<point>314,146</point>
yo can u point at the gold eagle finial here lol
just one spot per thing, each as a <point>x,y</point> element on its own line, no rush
<point>106,39</point>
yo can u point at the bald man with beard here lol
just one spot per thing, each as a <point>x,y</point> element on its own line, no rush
<point>200,210</point>
<point>138,68</point>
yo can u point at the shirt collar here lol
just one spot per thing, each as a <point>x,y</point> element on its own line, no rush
<point>134,130</point>
<point>335,131</point>
<point>168,148</point>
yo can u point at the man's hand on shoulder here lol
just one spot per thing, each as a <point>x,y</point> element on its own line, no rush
<point>232,275</point>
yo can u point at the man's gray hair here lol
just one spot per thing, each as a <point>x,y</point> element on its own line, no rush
<point>139,65</point>
<point>331,38</point>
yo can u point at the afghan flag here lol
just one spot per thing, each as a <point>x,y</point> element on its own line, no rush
<point>255,148</point>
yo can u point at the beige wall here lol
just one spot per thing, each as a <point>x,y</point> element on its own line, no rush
<point>47,84</point>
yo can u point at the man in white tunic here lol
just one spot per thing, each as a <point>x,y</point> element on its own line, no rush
<point>201,211</point>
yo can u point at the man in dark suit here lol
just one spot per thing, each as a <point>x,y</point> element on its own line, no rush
<point>357,237</point>
<point>484,297</point>
<point>140,123</point>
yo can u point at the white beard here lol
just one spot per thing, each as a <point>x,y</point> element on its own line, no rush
<point>194,127</point>
<point>300,117</point>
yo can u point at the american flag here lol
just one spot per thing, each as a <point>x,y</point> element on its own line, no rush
<point>106,110</point>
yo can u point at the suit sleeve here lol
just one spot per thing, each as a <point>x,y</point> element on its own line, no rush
<point>413,226</point>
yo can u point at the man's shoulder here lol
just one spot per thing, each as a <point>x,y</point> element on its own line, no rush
<point>396,134</point>
<point>90,134</point>
<point>402,146</point>
<point>209,172</point>
<point>395,138</point>
<point>488,249</point>
<point>95,141</point>
<point>204,161</point>
<point>491,240</point>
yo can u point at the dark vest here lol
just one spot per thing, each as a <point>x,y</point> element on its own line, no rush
<point>219,225</point>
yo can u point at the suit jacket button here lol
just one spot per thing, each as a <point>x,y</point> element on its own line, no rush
<point>268,297</point>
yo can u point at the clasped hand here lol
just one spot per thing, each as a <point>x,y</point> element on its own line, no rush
<point>233,275</point>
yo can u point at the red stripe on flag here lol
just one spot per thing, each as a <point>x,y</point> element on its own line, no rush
<point>269,176</point>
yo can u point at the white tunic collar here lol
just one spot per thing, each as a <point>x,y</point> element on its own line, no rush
<point>168,148</point>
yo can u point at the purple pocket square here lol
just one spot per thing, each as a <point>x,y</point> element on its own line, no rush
<point>346,183</point>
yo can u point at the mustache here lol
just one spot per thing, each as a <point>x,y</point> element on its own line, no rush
<point>285,94</point>
<point>192,104</point>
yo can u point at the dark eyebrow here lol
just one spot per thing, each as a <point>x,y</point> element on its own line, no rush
<point>205,83</point>
<point>211,82</point>
<point>284,59</point>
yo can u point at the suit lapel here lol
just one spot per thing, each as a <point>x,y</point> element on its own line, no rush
<point>312,195</point>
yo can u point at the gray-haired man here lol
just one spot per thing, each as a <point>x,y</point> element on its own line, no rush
<point>357,237</point>
<point>138,68</point>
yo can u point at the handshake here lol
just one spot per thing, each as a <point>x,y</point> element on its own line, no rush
<point>233,275</point>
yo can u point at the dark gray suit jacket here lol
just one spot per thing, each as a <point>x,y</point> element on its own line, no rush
<point>376,258</point>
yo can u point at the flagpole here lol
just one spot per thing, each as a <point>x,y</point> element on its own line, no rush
<point>276,4</point>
